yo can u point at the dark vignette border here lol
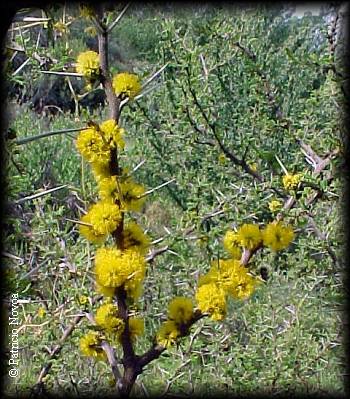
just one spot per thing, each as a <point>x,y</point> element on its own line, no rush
<point>8,9</point>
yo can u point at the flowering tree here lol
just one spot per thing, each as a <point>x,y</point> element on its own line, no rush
<point>122,249</point>
<point>120,265</point>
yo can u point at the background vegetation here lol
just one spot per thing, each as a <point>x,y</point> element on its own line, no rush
<point>252,82</point>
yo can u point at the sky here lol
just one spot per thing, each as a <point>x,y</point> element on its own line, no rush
<point>300,9</point>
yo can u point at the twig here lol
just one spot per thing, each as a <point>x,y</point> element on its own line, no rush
<point>281,165</point>
<point>63,73</point>
<point>78,222</point>
<point>30,19</point>
<point>75,97</point>
<point>156,252</point>
<point>322,237</point>
<point>37,195</point>
<point>26,140</point>
<point>113,101</point>
<point>112,361</point>
<point>26,26</point>
<point>143,91</point>
<point>21,67</point>
<point>204,66</point>
<point>240,162</point>
<point>155,75</point>
<point>156,350</point>
<point>156,188</point>
<point>119,17</point>
<point>57,349</point>
<point>138,166</point>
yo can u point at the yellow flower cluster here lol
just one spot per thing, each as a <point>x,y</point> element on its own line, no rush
<point>291,182</point>
<point>88,64</point>
<point>119,270</point>
<point>91,31</point>
<point>107,318</point>
<point>167,334</point>
<point>95,143</point>
<point>41,312</point>
<point>90,345</point>
<point>83,300</point>
<point>108,188</point>
<point>134,238</point>
<point>275,205</point>
<point>136,327</point>
<point>231,244</point>
<point>112,134</point>
<point>133,195</point>
<point>211,298</point>
<point>130,194</point>
<point>180,312</point>
<point>116,268</point>
<point>249,236</point>
<point>253,166</point>
<point>126,85</point>
<point>102,219</point>
<point>230,275</point>
<point>92,147</point>
<point>222,159</point>
<point>61,27</point>
<point>277,236</point>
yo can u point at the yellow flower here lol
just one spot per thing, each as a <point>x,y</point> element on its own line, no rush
<point>112,133</point>
<point>88,64</point>
<point>96,142</point>
<point>60,27</point>
<point>249,236</point>
<point>93,147</point>
<point>126,85</point>
<point>231,244</point>
<point>135,238</point>
<point>104,218</point>
<point>131,195</point>
<point>108,189</point>
<point>107,262</point>
<point>275,205</point>
<point>180,310</point>
<point>246,286</point>
<point>136,327</point>
<point>90,345</point>
<point>106,291</point>
<point>41,312</point>
<point>83,300</point>
<point>222,159</point>
<point>211,299</point>
<point>100,170</point>
<point>167,334</point>
<point>115,268</point>
<point>277,236</point>
<point>226,273</point>
<point>231,276</point>
<point>89,232</point>
<point>291,182</point>
<point>203,241</point>
<point>107,318</point>
<point>253,166</point>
